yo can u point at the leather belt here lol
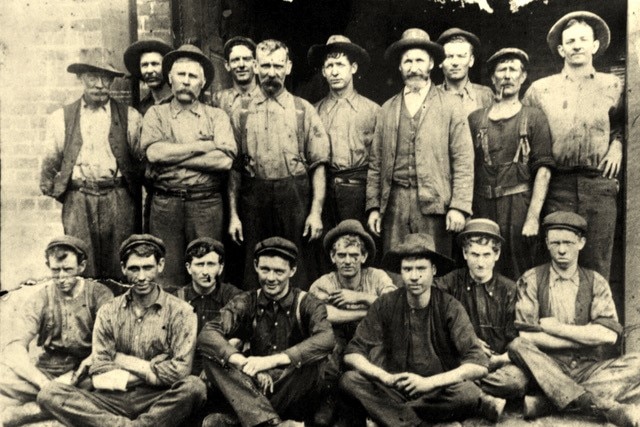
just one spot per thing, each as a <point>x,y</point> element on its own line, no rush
<point>489,192</point>
<point>338,180</point>
<point>406,183</point>
<point>187,194</point>
<point>81,184</point>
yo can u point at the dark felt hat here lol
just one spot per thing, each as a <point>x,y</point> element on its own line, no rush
<point>217,246</point>
<point>337,43</point>
<point>277,245</point>
<point>507,52</point>
<point>414,38</point>
<point>413,245</point>
<point>93,61</point>
<point>134,52</point>
<point>139,239</point>
<point>600,29</point>
<point>566,221</point>
<point>458,32</point>
<point>350,226</point>
<point>192,52</point>
<point>73,242</point>
<point>235,41</point>
<point>481,227</point>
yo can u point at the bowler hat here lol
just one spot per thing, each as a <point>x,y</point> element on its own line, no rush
<point>73,242</point>
<point>140,239</point>
<point>235,41</point>
<point>134,52</point>
<point>601,30</point>
<point>481,227</point>
<point>217,246</point>
<point>277,245</point>
<point>337,43</point>
<point>414,38</point>
<point>566,221</point>
<point>192,52</point>
<point>458,32</point>
<point>417,245</point>
<point>507,52</point>
<point>93,61</point>
<point>350,226</point>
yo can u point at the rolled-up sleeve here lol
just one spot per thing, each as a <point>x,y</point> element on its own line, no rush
<point>183,332</point>
<point>104,347</point>
<point>603,310</point>
<point>223,134</point>
<point>527,313</point>
<point>318,149</point>
<point>152,129</point>
<point>540,141</point>
<point>320,341</point>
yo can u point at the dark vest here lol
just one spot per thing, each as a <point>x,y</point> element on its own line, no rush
<point>405,166</point>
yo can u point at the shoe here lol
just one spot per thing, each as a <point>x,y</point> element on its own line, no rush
<point>326,412</point>
<point>536,406</point>
<point>491,407</point>
<point>24,414</point>
<point>624,415</point>
<point>220,420</point>
<point>370,423</point>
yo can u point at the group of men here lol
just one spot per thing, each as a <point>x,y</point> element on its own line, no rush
<point>265,169</point>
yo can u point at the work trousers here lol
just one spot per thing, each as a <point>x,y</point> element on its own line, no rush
<point>506,382</point>
<point>103,219</point>
<point>250,405</point>
<point>610,381</point>
<point>389,407</point>
<point>594,198</point>
<point>143,405</point>
<point>403,216</point>
<point>346,197</point>
<point>178,221</point>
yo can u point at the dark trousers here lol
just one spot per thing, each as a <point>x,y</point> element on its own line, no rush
<point>507,382</point>
<point>388,407</point>
<point>142,406</point>
<point>277,208</point>
<point>595,199</point>
<point>103,219</point>
<point>250,405</point>
<point>610,381</point>
<point>177,222</point>
<point>346,197</point>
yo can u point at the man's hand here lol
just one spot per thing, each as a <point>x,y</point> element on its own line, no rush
<point>313,226</point>
<point>531,227</point>
<point>455,220</point>
<point>612,161</point>
<point>265,383</point>
<point>82,369</point>
<point>413,384</point>
<point>256,364</point>
<point>238,360</point>
<point>342,297</point>
<point>550,325</point>
<point>485,348</point>
<point>235,229</point>
<point>388,379</point>
<point>375,222</point>
<point>498,360</point>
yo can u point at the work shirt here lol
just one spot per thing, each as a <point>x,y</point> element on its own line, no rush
<point>350,123</point>
<point>230,100</point>
<point>422,359</point>
<point>490,305</point>
<point>562,296</point>
<point>472,96</point>
<point>208,306</point>
<point>373,281</point>
<point>584,115</point>
<point>149,101</point>
<point>271,137</point>
<point>170,123</point>
<point>271,327</point>
<point>165,335</point>
<point>96,161</point>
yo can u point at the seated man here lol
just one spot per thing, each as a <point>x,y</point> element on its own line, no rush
<point>431,354</point>
<point>567,319</point>
<point>61,313</point>
<point>289,336</point>
<point>348,292</point>
<point>143,347</point>
<point>490,300</point>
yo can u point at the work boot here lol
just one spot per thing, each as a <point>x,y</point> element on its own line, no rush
<point>624,415</point>
<point>24,414</point>
<point>536,406</point>
<point>491,407</point>
<point>220,420</point>
<point>326,412</point>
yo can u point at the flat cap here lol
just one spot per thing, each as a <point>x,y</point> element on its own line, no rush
<point>508,53</point>
<point>350,226</point>
<point>415,245</point>
<point>481,227</point>
<point>238,40</point>
<point>70,241</point>
<point>565,220</point>
<point>217,246</point>
<point>277,245</point>
<point>139,239</point>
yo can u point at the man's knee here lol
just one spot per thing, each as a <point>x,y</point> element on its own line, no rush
<point>48,394</point>
<point>351,382</point>
<point>505,383</point>
<point>193,387</point>
<point>518,346</point>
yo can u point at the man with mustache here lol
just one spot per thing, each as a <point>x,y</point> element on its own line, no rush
<point>240,59</point>
<point>61,313</point>
<point>513,163</point>
<point>143,60</point>
<point>190,148</point>
<point>277,186</point>
<point>420,176</point>
<point>143,346</point>
<point>92,166</point>
<point>586,118</point>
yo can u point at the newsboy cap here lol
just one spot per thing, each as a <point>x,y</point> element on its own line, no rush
<point>277,245</point>
<point>350,226</point>
<point>417,245</point>
<point>481,227</point>
<point>78,245</point>
<point>509,53</point>
<point>565,220</point>
<point>601,30</point>
<point>217,246</point>
<point>140,239</point>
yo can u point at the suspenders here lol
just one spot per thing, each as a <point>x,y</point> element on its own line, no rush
<point>297,303</point>
<point>524,149</point>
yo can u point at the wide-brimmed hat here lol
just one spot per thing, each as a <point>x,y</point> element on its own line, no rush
<point>350,226</point>
<point>508,52</point>
<point>415,245</point>
<point>565,221</point>
<point>414,38</point>
<point>458,32</point>
<point>192,52</point>
<point>337,43</point>
<point>134,52</point>
<point>93,61</point>
<point>600,29</point>
<point>481,227</point>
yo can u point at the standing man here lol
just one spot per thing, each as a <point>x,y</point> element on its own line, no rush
<point>143,60</point>
<point>420,175</point>
<point>92,166</point>
<point>430,354</point>
<point>240,60</point>
<point>277,187</point>
<point>586,117</point>
<point>489,299</point>
<point>61,313</point>
<point>190,147</point>
<point>289,338</point>
<point>143,347</point>
<point>460,49</point>
<point>350,120</point>
<point>513,163</point>
<point>568,323</point>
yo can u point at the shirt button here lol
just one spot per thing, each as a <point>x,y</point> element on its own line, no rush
<point>490,294</point>
<point>274,347</point>
<point>275,324</point>
<point>203,317</point>
<point>139,320</point>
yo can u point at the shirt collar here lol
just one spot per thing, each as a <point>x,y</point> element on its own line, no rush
<point>160,302</point>
<point>195,108</point>
<point>555,278</point>
<point>285,303</point>
<point>590,75</point>
<point>489,286</point>
<point>191,294</point>
<point>104,107</point>
<point>422,92</point>
<point>281,98</point>
<point>352,100</point>
<point>467,89</point>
